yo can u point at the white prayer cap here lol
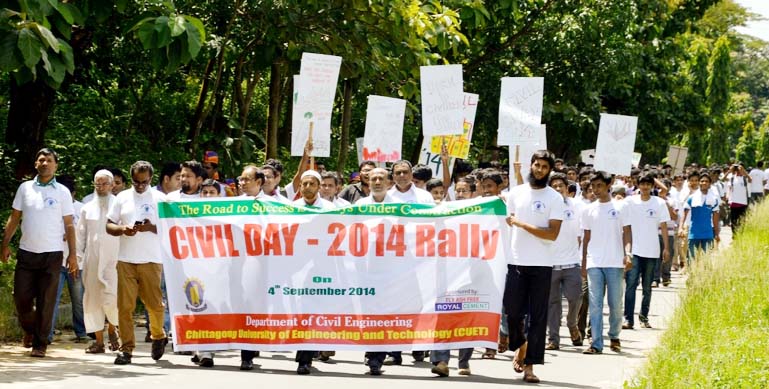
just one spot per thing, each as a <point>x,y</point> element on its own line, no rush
<point>104,173</point>
<point>311,173</point>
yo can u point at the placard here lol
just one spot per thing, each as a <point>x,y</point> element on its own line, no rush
<point>616,140</point>
<point>442,100</point>
<point>313,102</point>
<point>459,145</point>
<point>520,110</point>
<point>384,129</point>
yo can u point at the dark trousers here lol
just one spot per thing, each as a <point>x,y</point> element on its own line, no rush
<point>304,357</point>
<point>643,268</point>
<point>735,217</point>
<point>582,315</point>
<point>376,358</point>
<point>34,291</point>
<point>527,292</point>
<point>247,355</point>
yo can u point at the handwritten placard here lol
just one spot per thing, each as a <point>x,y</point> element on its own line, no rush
<point>677,158</point>
<point>636,159</point>
<point>433,160</point>
<point>442,100</point>
<point>588,156</point>
<point>384,129</point>
<point>616,140</point>
<point>313,101</point>
<point>459,145</point>
<point>520,110</point>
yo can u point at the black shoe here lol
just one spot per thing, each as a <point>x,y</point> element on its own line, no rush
<point>148,337</point>
<point>246,365</point>
<point>159,348</point>
<point>206,362</point>
<point>303,369</point>
<point>256,354</point>
<point>375,370</point>
<point>123,359</point>
<point>195,359</point>
<point>419,356</point>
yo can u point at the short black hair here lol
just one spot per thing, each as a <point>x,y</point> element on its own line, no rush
<point>422,172</point>
<point>196,168</point>
<point>572,188</point>
<point>493,175</point>
<point>366,163</point>
<point>704,174</point>
<point>602,176</point>
<point>585,171</point>
<point>332,175</point>
<point>258,172</point>
<point>47,152</point>
<point>559,176</point>
<point>211,182</point>
<point>545,155</point>
<point>470,181</point>
<point>647,178</point>
<point>142,166</point>
<point>169,169</point>
<point>276,164</point>
<point>433,183</point>
<point>693,173</point>
<point>402,162</point>
<point>116,172</point>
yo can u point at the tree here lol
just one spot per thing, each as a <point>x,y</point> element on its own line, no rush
<point>746,147</point>
<point>762,148</point>
<point>720,73</point>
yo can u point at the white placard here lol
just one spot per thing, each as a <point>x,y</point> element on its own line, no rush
<point>616,140</point>
<point>459,145</point>
<point>520,110</point>
<point>442,100</point>
<point>588,156</point>
<point>433,160</point>
<point>636,159</point>
<point>314,91</point>
<point>359,148</point>
<point>543,138</point>
<point>677,158</point>
<point>384,129</point>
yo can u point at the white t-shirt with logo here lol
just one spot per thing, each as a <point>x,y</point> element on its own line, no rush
<point>536,207</point>
<point>178,195</point>
<point>566,248</point>
<point>757,183</point>
<point>645,219</point>
<point>412,196</point>
<point>738,192</point>
<point>128,208</point>
<point>42,209</point>
<point>605,222</point>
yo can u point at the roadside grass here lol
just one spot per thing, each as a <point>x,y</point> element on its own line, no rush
<point>719,335</point>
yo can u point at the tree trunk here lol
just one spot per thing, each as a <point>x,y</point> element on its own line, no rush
<point>28,113</point>
<point>284,137</point>
<point>344,150</point>
<point>273,117</point>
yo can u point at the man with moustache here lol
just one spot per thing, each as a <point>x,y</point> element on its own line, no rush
<point>355,192</point>
<point>192,176</point>
<point>536,212</point>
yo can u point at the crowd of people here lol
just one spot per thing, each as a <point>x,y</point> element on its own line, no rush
<point>578,234</point>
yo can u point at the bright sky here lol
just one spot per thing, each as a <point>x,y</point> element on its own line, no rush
<point>758,28</point>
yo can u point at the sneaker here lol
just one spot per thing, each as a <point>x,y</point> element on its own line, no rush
<point>464,371</point>
<point>159,348</point>
<point>390,360</point>
<point>303,370</point>
<point>441,369</point>
<point>645,324</point>
<point>37,353</point>
<point>419,356</point>
<point>123,359</point>
<point>655,284</point>
<point>552,346</point>
<point>615,346</point>
<point>627,325</point>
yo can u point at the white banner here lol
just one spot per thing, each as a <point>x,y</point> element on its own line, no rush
<point>314,91</point>
<point>520,110</point>
<point>258,275</point>
<point>384,129</point>
<point>616,140</point>
<point>442,100</point>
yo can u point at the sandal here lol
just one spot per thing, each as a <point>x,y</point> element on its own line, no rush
<point>592,350</point>
<point>114,344</point>
<point>489,354</point>
<point>95,348</point>
<point>531,378</point>
<point>517,365</point>
<point>503,344</point>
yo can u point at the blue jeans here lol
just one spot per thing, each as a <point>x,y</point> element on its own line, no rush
<point>444,356</point>
<point>698,244</point>
<point>643,268</point>
<point>609,278</point>
<point>75,287</point>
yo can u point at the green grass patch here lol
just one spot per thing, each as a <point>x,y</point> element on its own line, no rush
<point>719,335</point>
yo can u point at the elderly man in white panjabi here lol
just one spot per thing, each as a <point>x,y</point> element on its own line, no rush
<point>98,251</point>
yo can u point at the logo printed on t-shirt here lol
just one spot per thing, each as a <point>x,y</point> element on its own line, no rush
<point>613,213</point>
<point>651,213</point>
<point>538,207</point>
<point>50,202</point>
<point>568,214</point>
<point>146,211</point>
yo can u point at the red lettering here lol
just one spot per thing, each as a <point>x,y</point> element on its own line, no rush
<point>272,240</point>
<point>490,241</point>
<point>253,235</point>
<point>233,252</point>
<point>289,234</point>
<point>176,234</point>
<point>447,246</point>
<point>424,241</point>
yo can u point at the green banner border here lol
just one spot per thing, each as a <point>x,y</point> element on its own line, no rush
<point>242,207</point>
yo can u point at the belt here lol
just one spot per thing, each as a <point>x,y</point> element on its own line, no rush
<point>564,267</point>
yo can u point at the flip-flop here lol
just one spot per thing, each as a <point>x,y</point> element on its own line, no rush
<point>517,365</point>
<point>114,344</point>
<point>531,378</point>
<point>503,344</point>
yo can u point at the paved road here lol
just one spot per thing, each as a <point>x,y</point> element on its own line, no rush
<point>68,366</point>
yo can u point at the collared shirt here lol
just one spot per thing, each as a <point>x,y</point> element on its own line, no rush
<point>51,182</point>
<point>128,208</point>
<point>43,207</point>
<point>413,195</point>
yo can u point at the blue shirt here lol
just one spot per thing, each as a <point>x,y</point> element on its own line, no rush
<point>702,220</point>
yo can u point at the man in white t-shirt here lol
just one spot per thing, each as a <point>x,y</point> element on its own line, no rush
<point>605,259</point>
<point>44,210</point>
<point>133,217</point>
<point>648,216</point>
<point>738,190</point>
<point>329,188</point>
<point>757,180</point>
<point>404,190</point>
<point>567,275</point>
<point>536,211</point>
